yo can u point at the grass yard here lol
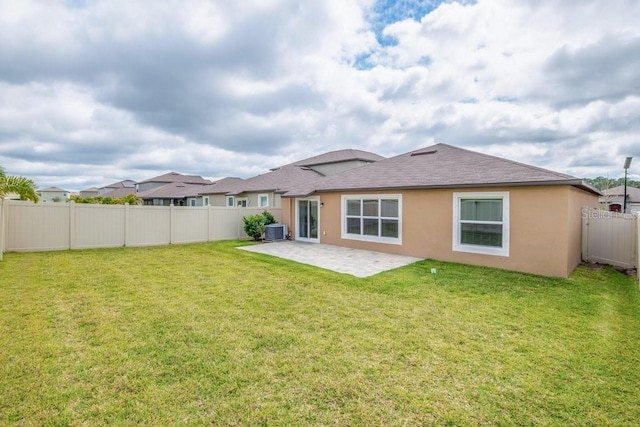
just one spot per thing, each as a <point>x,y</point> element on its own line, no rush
<point>207,334</point>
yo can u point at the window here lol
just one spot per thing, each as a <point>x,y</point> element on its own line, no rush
<point>206,201</point>
<point>242,203</point>
<point>481,223</point>
<point>192,202</point>
<point>231,201</point>
<point>375,218</point>
<point>263,200</point>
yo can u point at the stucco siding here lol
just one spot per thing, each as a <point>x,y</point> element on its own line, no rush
<point>544,227</point>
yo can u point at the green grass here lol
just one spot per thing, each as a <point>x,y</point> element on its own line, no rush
<point>210,335</point>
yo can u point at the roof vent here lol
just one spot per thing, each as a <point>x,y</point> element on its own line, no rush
<point>423,153</point>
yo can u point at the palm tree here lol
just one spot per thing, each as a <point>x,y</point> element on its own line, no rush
<point>23,187</point>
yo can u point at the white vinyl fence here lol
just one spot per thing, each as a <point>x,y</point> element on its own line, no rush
<point>610,238</point>
<point>25,226</point>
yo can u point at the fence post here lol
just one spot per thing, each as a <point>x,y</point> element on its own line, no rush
<point>1,227</point>
<point>171,223</point>
<point>208,223</point>
<point>72,224</point>
<point>638,248</point>
<point>126,224</point>
<point>585,233</point>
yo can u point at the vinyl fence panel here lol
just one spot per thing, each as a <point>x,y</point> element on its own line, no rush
<point>610,238</point>
<point>189,224</point>
<point>37,227</point>
<point>148,226</point>
<point>58,226</point>
<point>97,226</point>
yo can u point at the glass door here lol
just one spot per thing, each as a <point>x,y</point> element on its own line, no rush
<point>308,220</point>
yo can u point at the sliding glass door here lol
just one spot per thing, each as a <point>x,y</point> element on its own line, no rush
<point>308,216</point>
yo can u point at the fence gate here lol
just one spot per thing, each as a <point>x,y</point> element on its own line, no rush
<point>610,238</point>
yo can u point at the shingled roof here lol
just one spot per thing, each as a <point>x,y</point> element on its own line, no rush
<point>339,156</point>
<point>177,177</point>
<point>438,166</point>
<point>223,186</point>
<point>282,178</point>
<point>616,194</point>
<point>173,190</point>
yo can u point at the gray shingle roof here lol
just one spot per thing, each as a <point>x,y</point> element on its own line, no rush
<point>277,180</point>
<point>127,183</point>
<point>173,190</point>
<point>438,166</point>
<point>339,156</point>
<point>282,178</point>
<point>176,177</point>
<point>223,186</point>
<point>617,194</point>
<point>53,190</point>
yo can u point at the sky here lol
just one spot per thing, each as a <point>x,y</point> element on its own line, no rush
<point>93,92</point>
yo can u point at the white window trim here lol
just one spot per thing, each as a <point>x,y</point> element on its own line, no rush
<point>477,249</point>
<point>260,196</point>
<point>233,201</point>
<point>206,201</point>
<point>242,199</point>
<point>374,239</point>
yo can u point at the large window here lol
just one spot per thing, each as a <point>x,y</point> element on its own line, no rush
<point>376,218</point>
<point>231,201</point>
<point>263,200</point>
<point>481,223</point>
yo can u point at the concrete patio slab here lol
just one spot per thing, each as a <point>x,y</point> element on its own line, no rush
<point>356,262</point>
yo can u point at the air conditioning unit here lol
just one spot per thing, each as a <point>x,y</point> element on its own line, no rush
<point>274,232</point>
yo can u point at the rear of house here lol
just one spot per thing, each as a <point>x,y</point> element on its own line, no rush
<point>449,204</point>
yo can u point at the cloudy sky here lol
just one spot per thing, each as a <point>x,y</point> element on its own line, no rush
<point>92,91</point>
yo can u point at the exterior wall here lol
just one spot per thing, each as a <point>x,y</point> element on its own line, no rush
<point>252,199</point>
<point>48,196</point>
<point>335,168</point>
<point>146,186</point>
<point>544,227</point>
<point>275,200</point>
<point>89,193</point>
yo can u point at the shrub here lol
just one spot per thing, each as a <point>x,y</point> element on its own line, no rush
<point>254,225</point>
<point>268,218</point>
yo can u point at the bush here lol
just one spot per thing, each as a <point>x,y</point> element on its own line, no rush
<point>254,225</point>
<point>268,218</point>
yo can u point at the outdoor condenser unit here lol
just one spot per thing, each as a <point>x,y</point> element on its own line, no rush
<point>275,232</point>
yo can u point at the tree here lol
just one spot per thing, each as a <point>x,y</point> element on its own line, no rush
<point>23,187</point>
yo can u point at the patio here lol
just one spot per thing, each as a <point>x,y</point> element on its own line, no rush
<point>359,263</point>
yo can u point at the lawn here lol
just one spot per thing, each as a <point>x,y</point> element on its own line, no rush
<point>207,334</point>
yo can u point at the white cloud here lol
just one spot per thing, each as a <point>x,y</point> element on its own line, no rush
<point>108,90</point>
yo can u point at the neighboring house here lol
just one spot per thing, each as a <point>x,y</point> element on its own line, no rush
<point>449,204</point>
<point>613,199</point>
<point>265,190</point>
<point>171,188</point>
<point>53,194</point>
<point>89,192</point>
<point>118,190</point>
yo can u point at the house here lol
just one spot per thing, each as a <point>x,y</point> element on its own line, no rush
<point>53,194</point>
<point>118,190</point>
<point>171,188</point>
<point>613,199</point>
<point>450,204</point>
<point>265,190</point>
<point>89,192</point>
